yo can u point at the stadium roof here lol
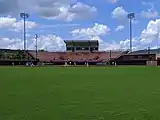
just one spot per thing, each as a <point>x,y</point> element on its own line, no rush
<point>81,42</point>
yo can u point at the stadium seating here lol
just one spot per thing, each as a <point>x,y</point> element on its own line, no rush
<point>75,56</point>
<point>7,54</point>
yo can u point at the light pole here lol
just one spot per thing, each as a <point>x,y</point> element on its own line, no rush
<point>130,17</point>
<point>36,37</point>
<point>24,16</point>
<point>158,32</point>
<point>149,50</point>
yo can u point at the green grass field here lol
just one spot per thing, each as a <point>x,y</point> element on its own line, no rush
<point>121,93</point>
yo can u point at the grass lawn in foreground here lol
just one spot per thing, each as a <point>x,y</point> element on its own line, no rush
<point>118,93</point>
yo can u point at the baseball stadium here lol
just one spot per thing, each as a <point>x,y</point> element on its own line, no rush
<point>79,60</point>
<point>81,83</point>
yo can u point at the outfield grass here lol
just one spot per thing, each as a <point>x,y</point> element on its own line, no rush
<point>122,93</point>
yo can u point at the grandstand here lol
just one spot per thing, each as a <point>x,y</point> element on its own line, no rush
<point>16,57</point>
<point>79,53</point>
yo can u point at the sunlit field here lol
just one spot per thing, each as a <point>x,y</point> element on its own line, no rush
<point>54,93</point>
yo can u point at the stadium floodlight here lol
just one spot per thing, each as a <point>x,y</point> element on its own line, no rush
<point>24,16</point>
<point>36,37</point>
<point>130,17</point>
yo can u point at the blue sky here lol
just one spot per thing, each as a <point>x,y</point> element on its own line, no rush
<point>57,20</point>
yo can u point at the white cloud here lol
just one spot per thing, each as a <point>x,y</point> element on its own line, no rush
<point>119,13</point>
<point>96,30</point>
<point>59,25</point>
<point>18,26</point>
<point>66,10</point>
<point>105,46</point>
<point>69,13</point>
<point>47,42</point>
<point>151,4</point>
<point>82,10</point>
<point>151,34</point>
<point>14,25</point>
<point>113,1</point>
<point>120,28</point>
<point>6,22</point>
<point>7,43</point>
<point>150,37</point>
<point>125,44</point>
<point>151,12</point>
<point>16,6</point>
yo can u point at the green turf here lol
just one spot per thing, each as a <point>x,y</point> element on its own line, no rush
<point>122,93</point>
